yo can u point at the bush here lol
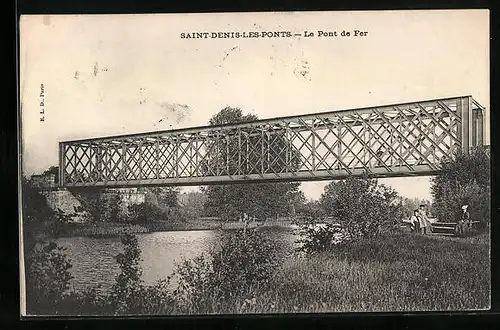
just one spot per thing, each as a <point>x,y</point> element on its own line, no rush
<point>448,208</point>
<point>128,281</point>
<point>362,209</point>
<point>464,180</point>
<point>314,239</point>
<point>145,213</point>
<point>47,279</point>
<point>36,215</point>
<point>362,206</point>
<point>241,263</point>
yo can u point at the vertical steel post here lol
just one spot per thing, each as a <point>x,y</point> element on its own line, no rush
<point>125,166</point>
<point>313,150</point>
<point>287,152</point>
<point>176,155</point>
<point>364,140</point>
<point>464,109</point>
<point>196,156</point>
<point>227,155</point>
<point>474,128</point>
<point>268,150</point>
<point>217,154</point>
<point>140,161</point>
<point>157,158</point>
<point>400,139</point>
<point>91,151</point>
<point>261,150</point>
<point>62,164</point>
<point>480,128</point>
<point>239,152</point>
<point>339,145</point>
<point>100,175</point>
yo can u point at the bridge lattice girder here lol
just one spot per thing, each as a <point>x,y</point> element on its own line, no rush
<point>386,141</point>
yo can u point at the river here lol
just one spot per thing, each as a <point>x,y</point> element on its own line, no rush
<point>94,263</point>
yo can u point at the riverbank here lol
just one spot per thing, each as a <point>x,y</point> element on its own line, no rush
<point>403,272</point>
<point>108,229</point>
<point>399,273</point>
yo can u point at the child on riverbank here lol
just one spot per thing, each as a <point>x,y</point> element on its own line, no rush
<point>425,224</point>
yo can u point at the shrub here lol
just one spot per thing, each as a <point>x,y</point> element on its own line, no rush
<point>145,213</point>
<point>36,214</point>
<point>464,180</point>
<point>314,239</point>
<point>47,278</point>
<point>362,206</point>
<point>242,261</point>
<point>114,209</point>
<point>448,208</point>
<point>127,283</point>
<point>362,209</point>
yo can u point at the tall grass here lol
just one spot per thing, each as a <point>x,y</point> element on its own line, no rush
<point>398,273</point>
<point>401,273</point>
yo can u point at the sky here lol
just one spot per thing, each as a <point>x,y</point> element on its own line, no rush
<point>116,74</point>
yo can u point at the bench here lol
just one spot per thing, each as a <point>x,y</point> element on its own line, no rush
<point>447,228</point>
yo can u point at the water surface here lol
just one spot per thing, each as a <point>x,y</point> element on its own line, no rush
<point>94,263</point>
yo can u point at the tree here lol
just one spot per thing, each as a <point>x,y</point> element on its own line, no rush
<point>115,208</point>
<point>463,180</point>
<point>166,196</point>
<point>36,214</point>
<point>47,267</point>
<point>310,210</point>
<point>363,207</point>
<point>47,278</point>
<point>261,200</point>
<point>410,205</point>
<point>53,170</point>
<point>128,282</point>
<point>193,204</point>
<point>91,200</point>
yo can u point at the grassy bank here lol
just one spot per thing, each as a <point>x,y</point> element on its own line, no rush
<point>399,273</point>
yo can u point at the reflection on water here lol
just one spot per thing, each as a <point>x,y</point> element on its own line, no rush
<point>94,263</point>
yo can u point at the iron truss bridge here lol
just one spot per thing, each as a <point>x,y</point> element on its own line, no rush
<point>382,141</point>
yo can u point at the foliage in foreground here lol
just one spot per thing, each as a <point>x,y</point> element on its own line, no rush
<point>390,273</point>
<point>360,207</point>
<point>242,260</point>
<point>464,180</point>
<point>397,273</point>
<point>47,277</point>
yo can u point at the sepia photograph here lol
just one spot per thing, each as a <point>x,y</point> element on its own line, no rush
<point>254,163</point>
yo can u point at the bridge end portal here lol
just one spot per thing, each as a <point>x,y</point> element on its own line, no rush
<point>472,125</point>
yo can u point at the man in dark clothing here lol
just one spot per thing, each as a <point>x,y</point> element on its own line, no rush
<point>463,220</point>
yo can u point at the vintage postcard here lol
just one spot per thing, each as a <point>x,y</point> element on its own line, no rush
<point>236,163</point>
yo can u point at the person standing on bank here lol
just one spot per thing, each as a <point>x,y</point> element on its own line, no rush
<point>425,224</point>
<point>463,220</point>
<point>415,221</point>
